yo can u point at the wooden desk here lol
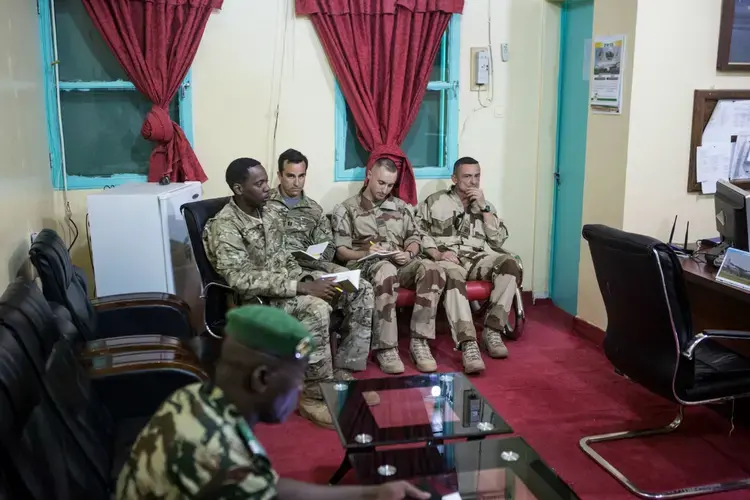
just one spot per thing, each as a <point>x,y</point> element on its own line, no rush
<point>714,305</point>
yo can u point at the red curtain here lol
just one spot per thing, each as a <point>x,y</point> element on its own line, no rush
<point>155,42</point>
<point>382,52</point>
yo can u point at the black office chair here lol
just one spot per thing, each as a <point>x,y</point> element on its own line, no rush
<point>100,408</point>
<point>158,320</point>
<point>215,292</point>
<point>650,340</point>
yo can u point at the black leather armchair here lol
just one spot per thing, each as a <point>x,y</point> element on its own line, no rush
<point>650,340</point>
<point>90,414</point>
<point>108,324</point>
<point>216,293</point>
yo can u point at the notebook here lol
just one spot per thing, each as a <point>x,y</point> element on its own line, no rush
<point>348,281</point>
<point>313,252</point>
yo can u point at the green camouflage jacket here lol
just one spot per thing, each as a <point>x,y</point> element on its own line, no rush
<point>249,252</point>
<point>197,446</point>
<point>305,224</point>
<point>447,226</point>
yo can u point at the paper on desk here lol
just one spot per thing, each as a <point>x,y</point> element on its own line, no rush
<point>729,118</point>
<point>452,496</point>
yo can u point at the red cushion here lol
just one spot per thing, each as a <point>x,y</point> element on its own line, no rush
<point>475,290</point>
<point>478,290</point>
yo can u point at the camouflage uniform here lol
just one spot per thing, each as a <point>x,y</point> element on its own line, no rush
<point>306,224</point>
<point>250,254</point>
<point>479,247</point>
<point>197,445</point>
<point>356,224</point>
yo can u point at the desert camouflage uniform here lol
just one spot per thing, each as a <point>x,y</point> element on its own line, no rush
<point>306,224</point>
<point>197,445</point>
<point>249,253</point>
<point>479,247</point>
<point>357,223</point>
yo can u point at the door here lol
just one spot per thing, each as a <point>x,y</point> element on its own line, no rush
<point>575,58</point>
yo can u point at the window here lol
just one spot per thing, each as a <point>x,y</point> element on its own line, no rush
<point>94,113</point>
<point>432,142</point>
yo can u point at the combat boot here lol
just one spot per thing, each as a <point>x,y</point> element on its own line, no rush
<point>316,412</point>
<point>421,356</point>
<point>472,358</point>
<point>390,362</point>
<point>343,375</point>
<point>494,344</point>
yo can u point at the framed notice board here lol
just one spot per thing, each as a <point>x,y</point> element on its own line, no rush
<point>704,104</point>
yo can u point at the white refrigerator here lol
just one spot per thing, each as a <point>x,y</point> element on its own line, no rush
<point>140,243</point>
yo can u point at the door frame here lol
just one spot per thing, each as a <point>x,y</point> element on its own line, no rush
<point>565,6</point>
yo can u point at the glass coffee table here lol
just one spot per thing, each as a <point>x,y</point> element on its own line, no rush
<point>427,408</point>
<point>492,468</point>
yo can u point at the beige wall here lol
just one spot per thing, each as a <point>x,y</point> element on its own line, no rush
<point>239,77</point>
<point>25,188</point>
<point>606,154</point>
<point>661,115</point>
<point>675,54</point>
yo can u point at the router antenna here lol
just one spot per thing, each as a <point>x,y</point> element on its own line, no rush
<point>671,234</point>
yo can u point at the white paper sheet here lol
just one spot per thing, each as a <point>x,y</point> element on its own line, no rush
<point>713,160</point>
<point>729,118</point>
<point>452,496</point>
<point>708,187</point>
<point>740,166</point>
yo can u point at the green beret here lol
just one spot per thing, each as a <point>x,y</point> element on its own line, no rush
<point>269,330</point>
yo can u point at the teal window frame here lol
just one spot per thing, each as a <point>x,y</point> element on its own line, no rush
<point>52,91</point>
<point>449,84</point>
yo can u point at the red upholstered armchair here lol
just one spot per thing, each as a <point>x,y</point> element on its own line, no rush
<point>478,292</point>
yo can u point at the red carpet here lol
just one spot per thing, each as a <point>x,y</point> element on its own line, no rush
<point>554,389</point>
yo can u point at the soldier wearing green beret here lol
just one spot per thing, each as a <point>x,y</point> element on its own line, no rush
<point>200,442</point>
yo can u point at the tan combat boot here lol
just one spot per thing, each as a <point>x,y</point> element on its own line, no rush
<point>494,344</point>
<point>472,357</point>
<point>343,375</point>
<point>390,362</point>
<point>421,356</point>
<point>316,412</point>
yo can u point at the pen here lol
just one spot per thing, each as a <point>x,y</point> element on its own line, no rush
<point>339,289</point>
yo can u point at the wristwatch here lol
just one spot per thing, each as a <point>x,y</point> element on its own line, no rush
<point>486,208</point>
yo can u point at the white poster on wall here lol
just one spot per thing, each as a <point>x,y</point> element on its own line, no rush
<point>606,84</point>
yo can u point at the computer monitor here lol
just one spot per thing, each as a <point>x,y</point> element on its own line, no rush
<point>731,208</point>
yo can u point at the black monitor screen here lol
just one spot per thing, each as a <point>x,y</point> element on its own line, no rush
<point>731,215</point>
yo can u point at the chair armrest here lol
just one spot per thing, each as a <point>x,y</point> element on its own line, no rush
<point>144,314</point>
<point>127,299</point>
<point>714,334</point>
<point>132,343</point>
<point>135,384</point>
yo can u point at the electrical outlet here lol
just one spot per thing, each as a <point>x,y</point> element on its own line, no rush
<point>32,236</point>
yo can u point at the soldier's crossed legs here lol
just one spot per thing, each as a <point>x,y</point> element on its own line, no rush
<point>504,272</point>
